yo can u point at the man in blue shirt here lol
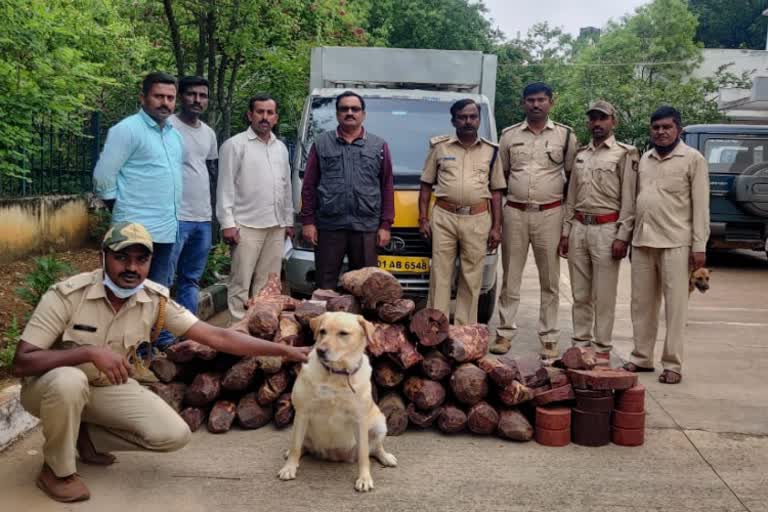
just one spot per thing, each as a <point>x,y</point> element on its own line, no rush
<point>138,174</point>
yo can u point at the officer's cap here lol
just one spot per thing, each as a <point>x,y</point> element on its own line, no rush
<point>602,106</point>
<point>125,234</point>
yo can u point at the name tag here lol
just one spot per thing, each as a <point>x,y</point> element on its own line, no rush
<point>86,328</point>
<point>518,144</point>
<point>447,158</point>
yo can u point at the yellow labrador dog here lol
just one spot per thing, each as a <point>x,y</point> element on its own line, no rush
<point>336,418</point>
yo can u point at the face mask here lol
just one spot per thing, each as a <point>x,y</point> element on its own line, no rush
<point>121,293</point>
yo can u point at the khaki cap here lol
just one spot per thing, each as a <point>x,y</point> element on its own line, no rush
<point>602,106</point>
<point>125,234</point>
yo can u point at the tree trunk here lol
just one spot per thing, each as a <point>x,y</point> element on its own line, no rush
<point>173,27</point>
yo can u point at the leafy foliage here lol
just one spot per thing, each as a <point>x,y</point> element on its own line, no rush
<point>56,59</point>
<point>48,271</point>
<point>729,24</point>
<point>8,342</point>
<point>217,266</point>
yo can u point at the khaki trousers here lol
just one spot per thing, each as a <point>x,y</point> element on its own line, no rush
<point>467,235</point>
<point>541,230</point>
<point>657,273</point>
<point>259,253</point>
<point>125,417</point>
<point>594,279</point>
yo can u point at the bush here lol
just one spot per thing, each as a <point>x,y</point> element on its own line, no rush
<point>8,342</point>
<point>218,265</point>
<point>99,221</point>
<point>48,271</point>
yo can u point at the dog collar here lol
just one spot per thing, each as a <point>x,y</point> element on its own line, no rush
<point>348,373</point>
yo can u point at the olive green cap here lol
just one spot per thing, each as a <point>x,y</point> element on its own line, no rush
<point>125,234</point>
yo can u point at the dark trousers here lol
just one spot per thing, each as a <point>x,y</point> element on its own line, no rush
<point>332,246</point>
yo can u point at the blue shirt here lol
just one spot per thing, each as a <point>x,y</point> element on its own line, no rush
<point>140,168</point>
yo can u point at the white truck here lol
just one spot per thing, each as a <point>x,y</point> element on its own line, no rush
<point>408,94</point>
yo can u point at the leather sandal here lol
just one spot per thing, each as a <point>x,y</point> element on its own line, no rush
<point>670,377</point>
<point>632,367</point>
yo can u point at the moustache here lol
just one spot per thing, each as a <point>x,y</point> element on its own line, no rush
<point>350,117</point>
<point>129,275</point>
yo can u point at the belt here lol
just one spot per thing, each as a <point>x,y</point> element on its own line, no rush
<point>530,207</point>
<point>588,218</point>
<point>462,210</point>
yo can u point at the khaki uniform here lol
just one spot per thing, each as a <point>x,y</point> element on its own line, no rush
<point>463,176</point>
<point>76,312</point>
<point>602,182</point>
<point>536,165</point>
<point>671,220</point>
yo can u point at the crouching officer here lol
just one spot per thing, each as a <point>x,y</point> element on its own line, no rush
<point>77,378</point>
<point>599,217</point>
<point>467,175</point>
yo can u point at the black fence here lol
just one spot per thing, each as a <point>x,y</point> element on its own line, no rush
<point>58,162</point>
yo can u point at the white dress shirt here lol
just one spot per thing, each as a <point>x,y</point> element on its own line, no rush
<point>254,186</point>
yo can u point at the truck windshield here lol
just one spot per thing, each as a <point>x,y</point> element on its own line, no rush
<point>406,125</point>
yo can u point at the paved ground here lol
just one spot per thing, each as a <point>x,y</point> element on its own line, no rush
<point>706,446</point>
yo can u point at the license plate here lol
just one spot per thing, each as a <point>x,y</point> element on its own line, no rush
<point>405,264</point>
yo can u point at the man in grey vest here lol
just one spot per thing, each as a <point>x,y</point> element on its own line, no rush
<point>347,195</point>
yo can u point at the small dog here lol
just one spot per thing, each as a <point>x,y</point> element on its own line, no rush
<point>699,280</point>
<point>336,418</point>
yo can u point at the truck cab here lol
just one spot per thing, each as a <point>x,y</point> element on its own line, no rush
<point>406,110</point>
<point>738,179</point>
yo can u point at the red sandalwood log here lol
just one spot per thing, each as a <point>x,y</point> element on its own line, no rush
<point>204,389</point>
<point>241,374</point>
<point>221,417</point>
<point>307,310</point>
<point>451,419</point>
<point>392,312</point>
<point>165,369</point>
<point>423,419</point>
<point>344,303</point>
<point>500,373</point>
<point>602,379</point>
<point>430,326</point>
<point>515,394</point>
<point>250,414</point>
<point>272,387</point>
<point>424,393</point>
<point>561,394</point>
<point>482,418</point>
<point>324,295</point>
<point>386,374</point>
<point>469,384</point>
<point>466,343</point>
<point>172,393</point>
<point>187,350</point>
<point>514,426</point>
<point>393,409</point>
<point>372,286</point>
<point>193,417</point>
<point>436,366</point>
<point>284,411</point>
<point>579,358</point>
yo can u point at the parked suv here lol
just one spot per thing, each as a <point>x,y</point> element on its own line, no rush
<point>738,181</point>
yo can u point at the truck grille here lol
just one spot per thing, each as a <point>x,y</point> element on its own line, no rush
<point>407,242</point>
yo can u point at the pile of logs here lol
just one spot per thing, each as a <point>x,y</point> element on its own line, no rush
<point>426,372</point>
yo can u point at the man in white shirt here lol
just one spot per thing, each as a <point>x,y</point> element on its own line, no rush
<point>195,214</point>
<point>254,203</point>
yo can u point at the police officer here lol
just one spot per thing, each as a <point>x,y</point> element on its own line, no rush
<point>669,240</point>
<point>77,378</point>
<point>467,175</point>
<point>599,216</point>
<point>536,156</point>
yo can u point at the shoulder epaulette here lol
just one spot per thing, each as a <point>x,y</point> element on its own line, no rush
<point>628,147</point>
<point>490,143</point>
<point>561,125</point>
<point>437,140</point>
<point>157,288</point>
<point>511,127</point>
<point>75,283</point>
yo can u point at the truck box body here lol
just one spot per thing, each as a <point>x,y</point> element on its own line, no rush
<point>408,95</point>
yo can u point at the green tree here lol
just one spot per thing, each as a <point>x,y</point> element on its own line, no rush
<point>57,58</point>
<point>436,24</point>
<point>729,24</point>
<point>638,64</point>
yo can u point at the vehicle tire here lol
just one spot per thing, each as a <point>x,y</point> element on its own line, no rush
<point>486,304</point>
<point>755,208</point>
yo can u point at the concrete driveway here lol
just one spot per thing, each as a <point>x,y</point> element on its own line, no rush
<point>706,445</point>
